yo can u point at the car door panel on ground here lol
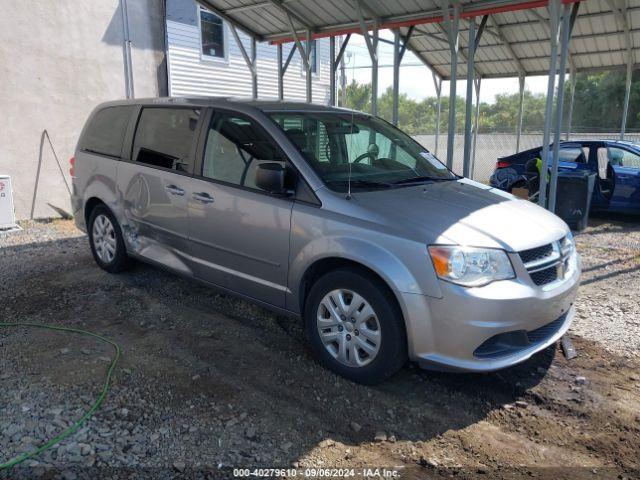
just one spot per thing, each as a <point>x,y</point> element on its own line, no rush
<point>239,234</point>
<point>154,185</point>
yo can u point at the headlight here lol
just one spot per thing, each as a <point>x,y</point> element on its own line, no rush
<point>568,244</point>
<point>469,266</point>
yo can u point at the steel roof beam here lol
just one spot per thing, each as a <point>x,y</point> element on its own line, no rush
<point>424,61</point>
<point>545,24</point>
<point>542,73</point>
<point>508,47</point>
<point>544,57</point>
<point>405,41</point>
<point>287,10</point>
<point>518,43</point>
<point>476,9</point>
<point>462,51</point>
<point>404,20</point>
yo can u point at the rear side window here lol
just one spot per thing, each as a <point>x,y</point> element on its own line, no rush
<point>106,130</point>
<point>573,155</point>
<point>164,137</point>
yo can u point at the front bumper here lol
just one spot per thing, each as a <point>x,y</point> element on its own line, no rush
<point>458,331</point>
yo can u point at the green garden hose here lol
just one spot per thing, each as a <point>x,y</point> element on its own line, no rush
<point>74,428</point>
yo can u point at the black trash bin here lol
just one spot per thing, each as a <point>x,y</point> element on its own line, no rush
<point>573,198</point>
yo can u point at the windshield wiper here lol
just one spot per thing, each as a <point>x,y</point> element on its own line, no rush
<point>423,179</point>
<point>370,183</point>
<point>364,183</point>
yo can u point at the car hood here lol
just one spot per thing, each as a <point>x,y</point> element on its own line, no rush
<point>464,212</point>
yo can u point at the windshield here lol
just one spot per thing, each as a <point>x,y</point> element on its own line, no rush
<point>366,150</point>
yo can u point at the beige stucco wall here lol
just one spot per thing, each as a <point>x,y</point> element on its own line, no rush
<point>58,60</point>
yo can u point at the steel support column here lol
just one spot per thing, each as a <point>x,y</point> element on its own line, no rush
<point>452,23</point>
<point>622,13</point>
<point>372,47</point>
<point>564,50</point>
<point>554,10</point>
<point>282,69</point>
<point>521,81</point>
<point>308,68</point>
<point>476,126</point>
<point>250,61</point>
<point>335,61</point>
<point>466,162</point>
<point>126,46</point>
<point>438,84</point>
<point>280,74</point>
<point>627,93</point>
<point>254,69</point>
<point>572,79</point>
<point>374,72</point>
<point>396,76</point>
<point>332,71</point>
<point>398,54</point>
<point>304,54</point>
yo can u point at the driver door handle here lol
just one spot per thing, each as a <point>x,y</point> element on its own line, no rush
<point>174,190</point>
<point>203,197</point>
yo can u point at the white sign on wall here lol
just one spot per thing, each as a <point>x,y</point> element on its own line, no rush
<point>7,214</point>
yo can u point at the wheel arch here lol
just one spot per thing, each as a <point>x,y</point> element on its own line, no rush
<point>325,265</point>
<point>89,206</point>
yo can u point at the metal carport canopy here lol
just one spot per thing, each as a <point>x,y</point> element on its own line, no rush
<point>516,39</point>
<point>475,38</point>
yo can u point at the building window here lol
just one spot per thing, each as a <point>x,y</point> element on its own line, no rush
<point>211,35</point>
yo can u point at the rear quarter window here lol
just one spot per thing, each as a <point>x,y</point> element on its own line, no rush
<point>164,137</point>
<point>106,130</point>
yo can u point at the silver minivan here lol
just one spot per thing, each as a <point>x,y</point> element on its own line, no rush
<point>332,216</point>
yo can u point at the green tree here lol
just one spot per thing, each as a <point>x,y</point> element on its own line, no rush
<point>599,102</point>
<point>598,106</point>
<point>358,96</point>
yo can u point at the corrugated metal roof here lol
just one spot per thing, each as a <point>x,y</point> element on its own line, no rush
<point>515,39</point>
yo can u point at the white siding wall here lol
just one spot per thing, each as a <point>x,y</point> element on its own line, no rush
<point>192,75</point>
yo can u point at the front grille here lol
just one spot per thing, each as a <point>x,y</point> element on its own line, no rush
<point>544,263</point>
<point>542,277</point>
<point>535,254</point>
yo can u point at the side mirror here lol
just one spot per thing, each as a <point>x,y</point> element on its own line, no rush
<point>271,177</point>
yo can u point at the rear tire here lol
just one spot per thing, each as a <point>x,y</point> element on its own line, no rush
<point>107,242</point>
<point>355,326</point>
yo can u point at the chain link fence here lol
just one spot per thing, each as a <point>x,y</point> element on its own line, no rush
<point>491,146</point>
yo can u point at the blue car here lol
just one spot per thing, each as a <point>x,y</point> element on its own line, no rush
<point>615,163</point>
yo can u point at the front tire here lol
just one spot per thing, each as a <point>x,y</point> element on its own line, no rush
<point>355,326</point>
<point>107,242</point>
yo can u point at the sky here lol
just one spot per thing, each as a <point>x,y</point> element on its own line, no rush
<point>415,79</point>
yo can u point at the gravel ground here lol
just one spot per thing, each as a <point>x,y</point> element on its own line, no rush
<point>608,307</point>
<point>207,382</point>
